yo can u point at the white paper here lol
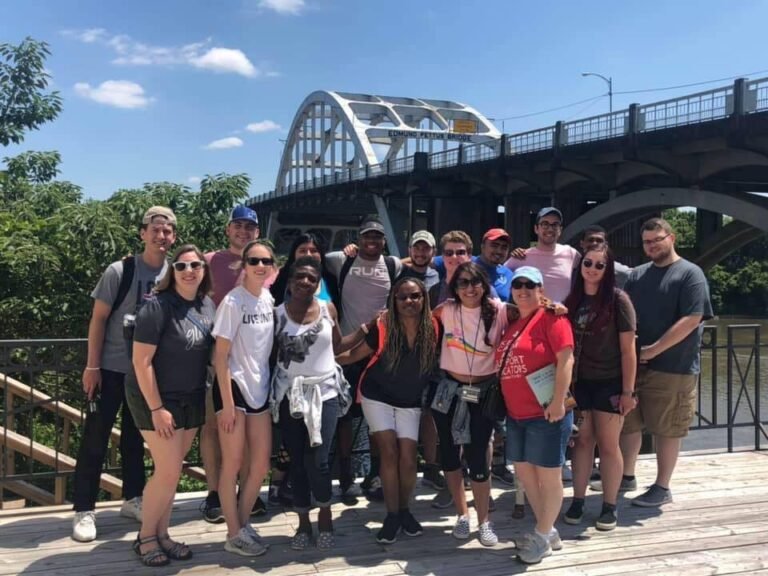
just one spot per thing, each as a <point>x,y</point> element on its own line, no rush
<point>542,382</point>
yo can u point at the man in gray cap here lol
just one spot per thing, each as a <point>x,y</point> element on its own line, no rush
<point>421,250</point>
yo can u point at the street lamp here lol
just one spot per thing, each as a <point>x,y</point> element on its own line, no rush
<point>608,81</point>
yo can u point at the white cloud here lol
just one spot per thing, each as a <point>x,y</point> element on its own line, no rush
<point>194,180</point>
<point>129,52</point>
<point>225,60</point>
<point>117,93</point>
<point>263,126</point>
<point>224,143</point>
<point>293,7</point>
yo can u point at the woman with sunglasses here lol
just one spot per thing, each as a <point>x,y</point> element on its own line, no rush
<point>244,331</point>
<point>166,394</point>
<point>535,359</point>
<point>603,320</point>
<point>309,394</point>
<point>403,350</point>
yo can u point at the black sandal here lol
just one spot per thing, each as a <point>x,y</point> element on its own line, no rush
<point>153,558</point>
<point>177,550</point>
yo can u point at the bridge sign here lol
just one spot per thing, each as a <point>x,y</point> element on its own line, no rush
<point>462,126</point>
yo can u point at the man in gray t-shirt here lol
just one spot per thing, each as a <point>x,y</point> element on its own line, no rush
<point>671,299</point>
<point>104,374</point>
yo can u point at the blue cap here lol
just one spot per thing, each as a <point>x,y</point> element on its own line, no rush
<point>529,273</point>
<point>546,211</point>
<point>244,213</point>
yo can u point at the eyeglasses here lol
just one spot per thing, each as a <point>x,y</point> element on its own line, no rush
<point>657,240</point>
<point>255,261</point>
<point>413,297</point>
<point>527,284</point>
<point>547,225</point>
<point>467,282</point>
<point>191,265</point>
<point>587,263</point>
<point>460,252</point>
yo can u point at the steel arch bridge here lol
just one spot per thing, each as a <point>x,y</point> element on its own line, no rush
<point>334,132</point>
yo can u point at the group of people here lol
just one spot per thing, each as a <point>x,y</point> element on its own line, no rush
<point>455,352</point>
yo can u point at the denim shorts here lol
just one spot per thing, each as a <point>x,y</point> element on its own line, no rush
<point>538,442</point>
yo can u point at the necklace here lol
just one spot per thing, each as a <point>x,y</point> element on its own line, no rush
<point>470,363</point>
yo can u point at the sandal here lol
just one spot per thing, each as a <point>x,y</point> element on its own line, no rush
<point>325,540</point>
<point>301,540</point>
<point>176,550</point>
<point>153,558</point>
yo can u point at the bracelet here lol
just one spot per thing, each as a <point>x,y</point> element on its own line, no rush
<point>364,328</point>
<point>92,368</point>
<point>158,408</point>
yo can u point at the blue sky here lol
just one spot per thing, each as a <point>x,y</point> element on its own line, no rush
<point>157,90</point>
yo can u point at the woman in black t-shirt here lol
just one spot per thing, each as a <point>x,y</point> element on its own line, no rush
<point>603,320</point>
<point>403,346</point>
<point>171,351</point>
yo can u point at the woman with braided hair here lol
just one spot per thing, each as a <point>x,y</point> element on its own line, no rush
<point>403,350</point>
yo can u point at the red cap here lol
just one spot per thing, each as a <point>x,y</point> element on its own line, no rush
<point>495,234</point>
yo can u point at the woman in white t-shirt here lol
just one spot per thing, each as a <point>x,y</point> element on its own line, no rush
<point>244,332</point>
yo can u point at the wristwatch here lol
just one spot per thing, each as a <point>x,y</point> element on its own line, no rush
<point>630,393</point>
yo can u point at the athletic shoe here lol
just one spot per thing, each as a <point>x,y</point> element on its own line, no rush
<point>132,508</point>
<point>211,508</point>
<point>351,490</point>
<point>554,540</point>
<point>243,544</point>
<point>487,535</point>
<point>503,474</point>
<point>534,549</point>
<point>84,526</point>
<point>443,499</point>
<point>433,477</point>
<point>374,491</point>
<point>625,486</point>
<point>575,512</point>
<point>388,532</point>
<point>259,508</point>
<point>461,529</point>
<point>254,534</point>
<point>607,520</point>
<point>409,524</point>
<point>653,497</point>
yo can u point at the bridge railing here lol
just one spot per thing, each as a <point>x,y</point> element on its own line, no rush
<point>741,97</point>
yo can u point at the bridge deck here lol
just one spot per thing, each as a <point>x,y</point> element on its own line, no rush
<point>718,524</point>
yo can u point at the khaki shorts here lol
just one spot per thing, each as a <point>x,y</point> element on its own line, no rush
<point>665,404</point>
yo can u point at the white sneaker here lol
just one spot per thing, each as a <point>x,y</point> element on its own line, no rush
<point>461,529</point>
<point>84,526</point>
<point>487,535</point>
<point>132,508</point>
<point>242,544</point>
<point>555,542</point>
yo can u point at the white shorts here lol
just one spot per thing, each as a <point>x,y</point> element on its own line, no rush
<point>380,417</point>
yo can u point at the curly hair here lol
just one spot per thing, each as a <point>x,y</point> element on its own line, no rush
<point>396,340</point>
<point>487,309</point>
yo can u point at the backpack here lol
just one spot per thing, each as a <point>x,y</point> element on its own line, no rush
<point>129,267</point>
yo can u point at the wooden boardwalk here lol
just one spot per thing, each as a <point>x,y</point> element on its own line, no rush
<point>718,524</point>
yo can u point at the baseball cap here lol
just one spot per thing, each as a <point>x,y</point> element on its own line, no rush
<point>549,210</point>
<point>423,236</point>
<point>244,213</point>
<point>495,234</point>
<point>529,273</point>
<point>371,225</point>
<point>159,211</point>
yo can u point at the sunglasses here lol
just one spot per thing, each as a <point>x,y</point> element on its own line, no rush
<point>413,297</point>
<point>527,284</point>
<point>587,263</point>
<point>255,261</point>
<point>467,282</point>
<point>460,252</point>
<point>192,265</point>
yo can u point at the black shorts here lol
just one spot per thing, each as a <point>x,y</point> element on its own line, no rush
<point>188,411</point>
<point>352,373</point>
<point>240,403</point>
<point>602,395</point>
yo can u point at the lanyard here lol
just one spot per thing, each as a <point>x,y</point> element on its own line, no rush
<point>474,343</point>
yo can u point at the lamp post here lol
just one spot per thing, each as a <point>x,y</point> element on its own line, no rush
<point>608,81</point>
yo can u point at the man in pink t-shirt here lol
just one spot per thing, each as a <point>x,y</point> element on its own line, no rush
<point>555,261</point>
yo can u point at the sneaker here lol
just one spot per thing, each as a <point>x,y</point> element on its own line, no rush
<point>211,509</point>
<point>259,508</point>
<point>491,504</point>
<point>443,499</point>
<point>534,549</point>
<point>607,520</point>
<point>503,474</point>
<point>243,544</point>
<point>132,509</point>
<point>367,483</point>
<point>575,512</point>
<point>654,496</point>
<point>626,485</point>
<point>254,534</point>
<point>433,477</point>
<point>84,526</point>
<point>461,528</point>
<point>567,473</point>
<point>374,491</point>
<point>487,535</point>
<point>554,540</point>
<point>409,524</point>
<point>388,532</point>
<point>350,490</point>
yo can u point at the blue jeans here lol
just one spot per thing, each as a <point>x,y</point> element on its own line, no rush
<point>538,442</point>
<point>310,472</point>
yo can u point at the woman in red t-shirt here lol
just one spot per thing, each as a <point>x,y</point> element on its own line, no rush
<point>537,350</point>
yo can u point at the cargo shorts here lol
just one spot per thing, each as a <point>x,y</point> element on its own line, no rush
<point>666,403</point>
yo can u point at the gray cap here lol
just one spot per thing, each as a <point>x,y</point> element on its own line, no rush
<point>423,236</point>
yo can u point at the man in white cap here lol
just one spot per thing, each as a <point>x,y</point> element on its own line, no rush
<point>421,250</point>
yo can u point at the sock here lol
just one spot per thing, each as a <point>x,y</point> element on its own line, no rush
<point>544,537</point>
<point>607,507</point>
<point>628,478</point>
